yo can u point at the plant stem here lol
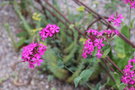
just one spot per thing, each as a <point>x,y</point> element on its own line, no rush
<point>96,20</point>
<point>108,58</point>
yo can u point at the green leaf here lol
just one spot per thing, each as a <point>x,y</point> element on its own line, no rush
<point>21,42</point>
<point>132,23</point>
<point>122,86</point>
<point>52,64</point>
<point>119,48</point>
<point>106,53</point>
<point>22,34</point>
<point>76,73</point>
<point>84,76</point>
<point>76,81</point>
<point>117,78</point>
<point>125,31</point>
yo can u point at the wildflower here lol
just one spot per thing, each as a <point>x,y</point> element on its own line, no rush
<point>32,54</point>
<point>129,75</point>
<point>99,54</point>
<point>127,1</point>
<point>49,31</point>
<point>95,41</point>
<point>130,2</point>
<point>117,20</point>
<point>88,48</point>
<point>133,4</point>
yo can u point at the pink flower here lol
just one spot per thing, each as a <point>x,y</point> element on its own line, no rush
<point>49,31</point>
<point>117,20</point>
<point>130,2</point>
<point>32,54</point>
<point>133,4</point>
<point>95,41</point>
<point>127,1</point>
<point>88,48</point>
<point>99,54</point>
<point>129,75</point>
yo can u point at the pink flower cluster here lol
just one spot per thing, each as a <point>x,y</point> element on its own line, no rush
<point>129,75</point>
<point>95,41</point>
<point>131,2</point>
<point>32,54</point>
<point>49,31</point>
<point>116,19</point>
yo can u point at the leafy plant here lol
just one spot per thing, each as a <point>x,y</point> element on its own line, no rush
<point>63,58</point>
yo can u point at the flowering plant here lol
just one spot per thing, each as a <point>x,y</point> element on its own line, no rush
<point>93,49</point>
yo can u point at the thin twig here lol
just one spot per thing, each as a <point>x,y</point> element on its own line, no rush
<point>96,20</point>
<point>114,65</point>
<point>107,64</point>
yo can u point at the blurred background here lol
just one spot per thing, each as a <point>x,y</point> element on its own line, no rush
<point>17,30</point>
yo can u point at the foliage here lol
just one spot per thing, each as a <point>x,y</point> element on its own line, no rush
<point>63,57</point>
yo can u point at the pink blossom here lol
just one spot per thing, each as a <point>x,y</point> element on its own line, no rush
<point>99,54</point>
<point>116,20</point>
<point>49,31</point>
<point>127,1</point>
<point>32,54</point>
<point>129,75</point>
<point>133,4</point>
<point>95,41</point>
<point>88,48</point>
<point>130,2</point>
